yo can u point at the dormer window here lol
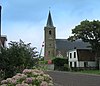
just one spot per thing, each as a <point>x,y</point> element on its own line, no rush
<point>50,32</point>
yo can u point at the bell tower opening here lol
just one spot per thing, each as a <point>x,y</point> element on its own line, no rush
<point>50,32</point>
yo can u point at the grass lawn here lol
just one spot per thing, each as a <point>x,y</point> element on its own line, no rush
<point>90,71</point>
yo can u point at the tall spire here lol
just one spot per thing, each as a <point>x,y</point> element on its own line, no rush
<point>49,21</point>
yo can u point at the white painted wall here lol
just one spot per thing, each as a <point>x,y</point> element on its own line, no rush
<point>89,64</point>
<point>92,64</point>
<point>80,63</point>
<point>72,59</point>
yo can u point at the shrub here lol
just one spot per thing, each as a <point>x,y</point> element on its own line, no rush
<point>59,63</point>
<point>29,77</point>
<point>17,57</point>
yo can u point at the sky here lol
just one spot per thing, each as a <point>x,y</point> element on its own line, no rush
<point>26,19</point>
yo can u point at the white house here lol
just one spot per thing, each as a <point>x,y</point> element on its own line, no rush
<point>81,58</point>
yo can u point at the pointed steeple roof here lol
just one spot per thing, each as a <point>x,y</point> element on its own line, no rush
<point>49,21</point>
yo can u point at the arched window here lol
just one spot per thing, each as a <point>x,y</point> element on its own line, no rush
<point>50,32</point>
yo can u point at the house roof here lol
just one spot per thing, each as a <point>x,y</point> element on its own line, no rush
<point>64,44</point>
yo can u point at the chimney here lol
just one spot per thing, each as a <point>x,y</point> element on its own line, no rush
<point>0,20</point>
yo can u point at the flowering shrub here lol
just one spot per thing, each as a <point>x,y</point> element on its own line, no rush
<point>29,77</point>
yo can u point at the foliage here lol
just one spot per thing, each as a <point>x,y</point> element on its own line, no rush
<point>60,63</point>
<point>88,31</point>
<point>43,62</point>
<point>17,57</point>
<point>66,67</point>
<point>29,77</point>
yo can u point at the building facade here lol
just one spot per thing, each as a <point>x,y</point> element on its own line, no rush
<point>81,58</point>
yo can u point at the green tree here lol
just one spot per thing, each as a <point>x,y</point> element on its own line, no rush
<point>17,57</point>
<point>88,31</point>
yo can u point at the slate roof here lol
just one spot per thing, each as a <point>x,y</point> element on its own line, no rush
<point>68,45</point>
<point>49,21</point>
<point>64,45</point>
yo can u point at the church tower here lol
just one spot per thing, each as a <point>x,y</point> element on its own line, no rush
<point>49,39</point>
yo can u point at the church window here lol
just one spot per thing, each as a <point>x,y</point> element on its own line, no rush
<point>50,32</point>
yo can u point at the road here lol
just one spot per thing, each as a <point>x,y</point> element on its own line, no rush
<point>74,79</point>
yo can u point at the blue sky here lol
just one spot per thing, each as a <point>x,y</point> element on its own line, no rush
<point>25,19</point>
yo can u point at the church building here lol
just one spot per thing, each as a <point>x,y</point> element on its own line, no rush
<point>58,47</point>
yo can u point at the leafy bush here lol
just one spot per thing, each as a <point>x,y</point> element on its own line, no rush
<point>16,57</point>
<point>43,62</point>
<point>29,77</point>
<point>59,63</point>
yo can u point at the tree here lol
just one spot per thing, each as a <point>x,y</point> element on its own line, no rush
<point>88,31</point>
<point>17,57</point>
